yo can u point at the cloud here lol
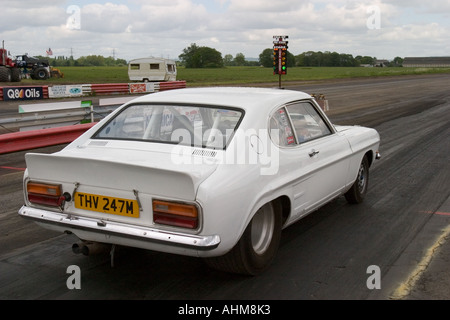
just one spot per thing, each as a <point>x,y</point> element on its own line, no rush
<point>105,18</point>
<point>164,28</point>
<point>13,17</point>
<point>435,7</point>
<point>165,16</point>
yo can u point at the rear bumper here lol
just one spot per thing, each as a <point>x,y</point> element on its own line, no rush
<point>119,233</point>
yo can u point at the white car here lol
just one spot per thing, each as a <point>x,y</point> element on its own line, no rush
<point>214,173</point>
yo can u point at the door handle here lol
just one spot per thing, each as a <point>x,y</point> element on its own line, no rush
<point>313,153</point>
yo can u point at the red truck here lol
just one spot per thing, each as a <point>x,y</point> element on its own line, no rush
<point>9,71</point>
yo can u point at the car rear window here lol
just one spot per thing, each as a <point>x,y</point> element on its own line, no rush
<point>199,126</point>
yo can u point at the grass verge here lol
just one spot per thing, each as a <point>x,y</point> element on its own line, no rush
<point>230,75</point>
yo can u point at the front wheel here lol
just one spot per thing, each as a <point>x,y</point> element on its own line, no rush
<point>15,75</point>
<point>5,74</point>
<point>41,74</point>
<point>358,191</point>
<point>257,247</point>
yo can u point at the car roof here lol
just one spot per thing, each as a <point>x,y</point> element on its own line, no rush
<point>247,98</point>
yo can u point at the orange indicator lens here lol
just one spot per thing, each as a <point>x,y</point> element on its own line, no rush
<point>44,194</point>
<point>175,214</point>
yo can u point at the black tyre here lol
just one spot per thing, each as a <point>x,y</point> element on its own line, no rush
<point>15,75</point>
<point>40,74</point>
<point>257,247</point>
<point>358,191</point>
<point>5,74</point>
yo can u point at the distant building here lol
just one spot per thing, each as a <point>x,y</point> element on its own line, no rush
<point>427,62</point>
<point>381,63</point>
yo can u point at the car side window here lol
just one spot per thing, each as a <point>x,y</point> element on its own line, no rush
<point>307,122</point>
<point>281,129</point>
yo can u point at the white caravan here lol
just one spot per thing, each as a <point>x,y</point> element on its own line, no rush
<point>152,69</point>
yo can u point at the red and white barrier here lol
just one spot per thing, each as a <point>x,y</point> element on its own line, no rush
<point>20,141</point>
<point>104,89</point>
<point>110,88</point>
<point>170,85</point>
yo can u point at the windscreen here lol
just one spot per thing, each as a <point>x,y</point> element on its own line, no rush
<point>199,126</point>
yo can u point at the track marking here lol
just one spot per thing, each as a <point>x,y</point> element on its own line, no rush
<point>437,212</point>
<point>12,168</point>
<point>407,286</point>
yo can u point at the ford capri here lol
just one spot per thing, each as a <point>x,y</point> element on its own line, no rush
<point>215,173</point>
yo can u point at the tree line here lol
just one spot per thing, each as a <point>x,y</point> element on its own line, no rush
<point>204,57</point>
<point>195,56</point>
<point>85,61</point>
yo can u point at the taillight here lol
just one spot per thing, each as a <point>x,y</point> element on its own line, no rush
<point>45,194</point>
<point>175,214</point>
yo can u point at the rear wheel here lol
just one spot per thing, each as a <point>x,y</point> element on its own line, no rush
<point>257,247</point>
<point>358,190</point>
<point>5,74</point>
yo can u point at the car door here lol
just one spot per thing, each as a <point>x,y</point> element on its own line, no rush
<point>313,155</point>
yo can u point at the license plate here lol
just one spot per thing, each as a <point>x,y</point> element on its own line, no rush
<point>98,203</point>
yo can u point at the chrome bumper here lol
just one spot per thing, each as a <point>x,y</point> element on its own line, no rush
<point>66,222</point>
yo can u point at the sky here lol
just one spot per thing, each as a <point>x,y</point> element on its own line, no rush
<point>384,29</point>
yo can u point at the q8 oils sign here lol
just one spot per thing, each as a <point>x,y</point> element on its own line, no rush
<point>22,93</point>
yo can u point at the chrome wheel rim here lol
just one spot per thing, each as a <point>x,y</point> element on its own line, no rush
<point>362,179</point>
<point>262,229</point>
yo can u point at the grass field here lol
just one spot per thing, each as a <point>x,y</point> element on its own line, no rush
<point>231,75</point>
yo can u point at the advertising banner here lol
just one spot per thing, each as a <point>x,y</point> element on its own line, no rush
<point>23,93</point>
<point>137,88</point>
<point>142,87</point>
<point>65,91</point>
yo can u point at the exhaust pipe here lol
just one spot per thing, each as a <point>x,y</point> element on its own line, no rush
<point>80,248</point>
<point>90,248</point>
